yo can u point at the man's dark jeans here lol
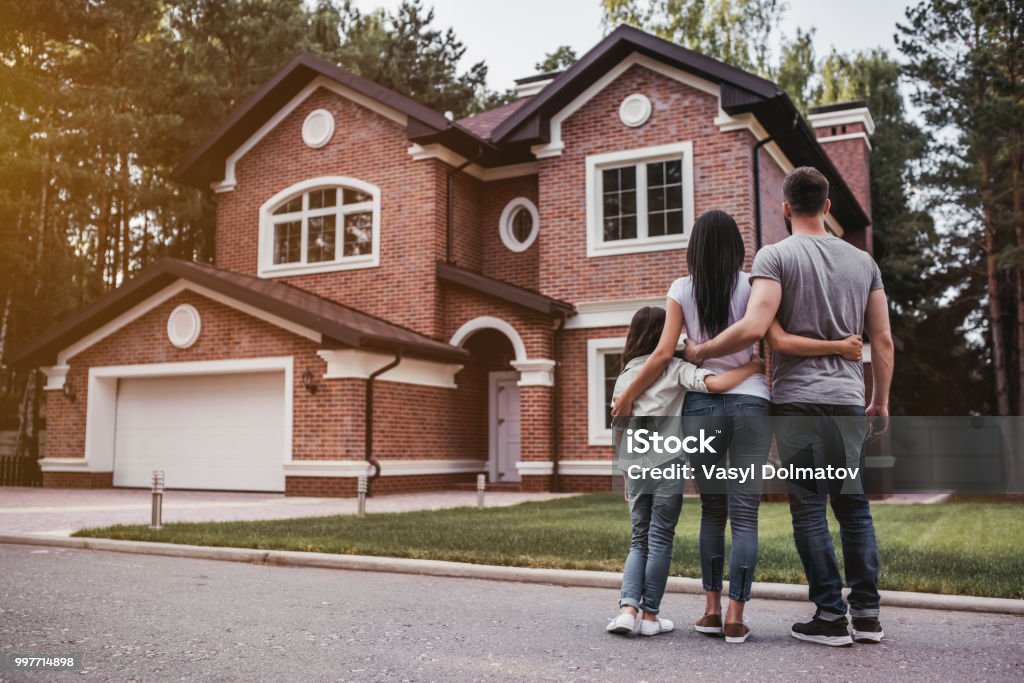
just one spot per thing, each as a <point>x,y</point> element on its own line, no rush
<point>819,435</point>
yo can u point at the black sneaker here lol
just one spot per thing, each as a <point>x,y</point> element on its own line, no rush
<point>817,630</point>
<point>867,630</point>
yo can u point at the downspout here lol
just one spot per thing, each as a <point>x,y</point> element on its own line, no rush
<point>450,207</point>
<point>556,412</point>
<point>368,421</point>
<point>757,191</point>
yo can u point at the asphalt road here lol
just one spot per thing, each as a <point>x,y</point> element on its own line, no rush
<point>159,618</point>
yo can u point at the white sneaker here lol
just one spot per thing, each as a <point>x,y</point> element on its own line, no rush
<point>653,628</point>
<point>623,623</point>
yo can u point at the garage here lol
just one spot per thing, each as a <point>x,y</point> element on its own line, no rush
<point>215,431</point>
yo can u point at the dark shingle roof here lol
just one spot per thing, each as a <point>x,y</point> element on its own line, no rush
<point>338,324</point>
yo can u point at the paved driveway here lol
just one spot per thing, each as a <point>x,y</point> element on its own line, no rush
<point>135,617</point>
<point>61,511</point>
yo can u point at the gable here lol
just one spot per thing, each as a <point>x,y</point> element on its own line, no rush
<point>286,114</point>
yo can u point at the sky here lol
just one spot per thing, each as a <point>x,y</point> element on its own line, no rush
<point>513,35</point>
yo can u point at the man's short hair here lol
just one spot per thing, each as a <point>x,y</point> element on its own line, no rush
<point>805,190</point>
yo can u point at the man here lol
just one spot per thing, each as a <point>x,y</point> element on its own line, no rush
<point>822,287</point>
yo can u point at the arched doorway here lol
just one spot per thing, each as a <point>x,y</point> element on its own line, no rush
<point>489,385</point>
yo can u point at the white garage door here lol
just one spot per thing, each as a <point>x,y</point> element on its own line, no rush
<point>204,432</point>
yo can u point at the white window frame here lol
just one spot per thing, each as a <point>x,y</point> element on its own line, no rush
<point>505,224</point>
<point>597,433</point>
<point>596,163</point>
<point>266,266</point>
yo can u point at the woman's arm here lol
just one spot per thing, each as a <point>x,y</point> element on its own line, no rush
<point>795,345</point>
<point>724,381</point>
<point>656,363</point>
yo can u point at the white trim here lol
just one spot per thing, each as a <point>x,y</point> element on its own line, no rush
<point>596,163</point>
<point>848,136</point>
<point>326,468</point>
<point>436,151</point>
<point>505,224</point>
<point>309,137</point>
<point>189,311</point>
<point>266,267</point>
<point>485,322</point>
<point>555,145</point>
<point>642,115</point>
<point>64,465</point>
<point>56,375</point>
<point>166,294</point>
<point>406,467</point>
<point>535,372</point>
<point>587,468</point>
<point>228,183</point>
<point>535,468</point>
<point>860,115</point>
<point>532,88</point>
<point>388,468</point>
<point>617,313</point>
<point>356,364</point>
<point>597,433</point>
<point>102,402</point>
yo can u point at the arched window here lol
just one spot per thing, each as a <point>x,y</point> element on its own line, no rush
<point>320,225</point>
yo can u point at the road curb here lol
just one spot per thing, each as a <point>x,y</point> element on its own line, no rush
<point>556,577</point>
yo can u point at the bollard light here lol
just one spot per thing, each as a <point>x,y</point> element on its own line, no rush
<point>158,499</point>
<point>481,485</point>
<point>361,493</point>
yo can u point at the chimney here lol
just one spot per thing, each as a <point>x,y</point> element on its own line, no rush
<point>844,130</point>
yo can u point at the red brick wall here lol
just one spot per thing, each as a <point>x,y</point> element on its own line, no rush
<point>722,180</point>
<point>371,148</point>
<point>519,268</point>
<point>853,159</point>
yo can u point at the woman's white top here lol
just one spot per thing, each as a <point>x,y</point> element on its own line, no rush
<point>681,292</point>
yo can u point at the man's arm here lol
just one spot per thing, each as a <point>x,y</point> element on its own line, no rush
<point>765,297</point>
<point>795,345</point>
<point>876,324</point>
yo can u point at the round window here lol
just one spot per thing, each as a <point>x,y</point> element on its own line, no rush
<point>519,224</point>
<point>183,326</point>
<point>318,128</point>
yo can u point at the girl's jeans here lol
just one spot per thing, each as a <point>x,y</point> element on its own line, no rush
<point>746,436</point>
<point>654,520</point>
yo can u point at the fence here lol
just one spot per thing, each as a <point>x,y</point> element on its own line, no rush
<point>17,471</point>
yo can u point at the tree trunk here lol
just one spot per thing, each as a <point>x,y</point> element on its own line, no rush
<point>995,307</point>
<point>102,231</point>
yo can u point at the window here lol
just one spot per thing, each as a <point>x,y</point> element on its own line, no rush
<point>320,225</point>
<point>603,358</point>
<point>518,224</point>
<point>639,200</point>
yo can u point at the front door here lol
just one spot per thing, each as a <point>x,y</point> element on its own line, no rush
<point>504,426</point>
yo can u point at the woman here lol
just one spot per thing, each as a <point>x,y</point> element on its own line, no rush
<point>704,303</point>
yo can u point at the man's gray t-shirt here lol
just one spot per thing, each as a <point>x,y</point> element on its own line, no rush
<point>825,287</point>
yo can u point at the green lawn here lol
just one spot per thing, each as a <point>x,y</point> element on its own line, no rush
<point>965,548</point>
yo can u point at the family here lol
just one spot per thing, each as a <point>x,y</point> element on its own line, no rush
<point>811,296</point>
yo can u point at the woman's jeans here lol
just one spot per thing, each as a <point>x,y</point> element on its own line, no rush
<point>654,520</point>
<point>746,436</point>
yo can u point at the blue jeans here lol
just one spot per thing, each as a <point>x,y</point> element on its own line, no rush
<point>816,438</point>
<point>645,574</point>
<point>746,436</point>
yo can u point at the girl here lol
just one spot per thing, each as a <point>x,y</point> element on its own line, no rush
<point>655,515</point>
<point>703,304</point>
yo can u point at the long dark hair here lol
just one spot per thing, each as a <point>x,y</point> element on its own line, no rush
<point>644,332</point>
<point>714,257</point>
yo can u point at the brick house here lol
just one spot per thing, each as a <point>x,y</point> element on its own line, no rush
<point>448,297</point>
